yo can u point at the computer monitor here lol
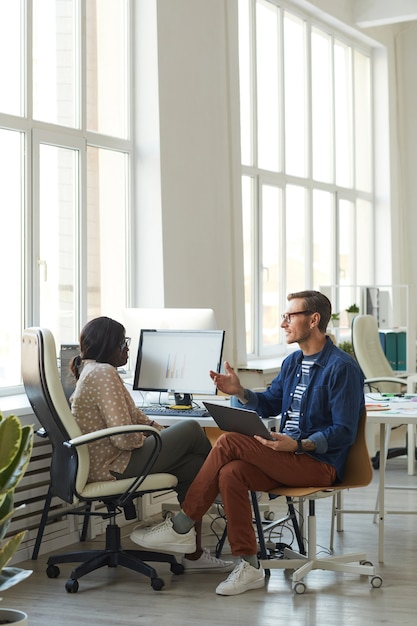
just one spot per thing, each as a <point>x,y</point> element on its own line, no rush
<point>178,361</point>
<point>67,352</point>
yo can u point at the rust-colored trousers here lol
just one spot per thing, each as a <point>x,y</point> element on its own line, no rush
<point>238,464</point>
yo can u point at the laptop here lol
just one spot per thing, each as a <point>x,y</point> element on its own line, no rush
<point>234,419</point>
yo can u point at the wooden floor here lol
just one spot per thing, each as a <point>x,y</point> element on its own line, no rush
<point>111,597</point>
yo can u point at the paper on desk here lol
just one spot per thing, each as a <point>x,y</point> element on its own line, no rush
<point>395,408</point>
<point>404,407</point>
<point>376,398</point>
<point>377,402</point>
<point>377,407</point>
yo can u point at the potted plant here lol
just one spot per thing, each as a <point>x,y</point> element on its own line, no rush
<point>346,346</point>
<point>335,319</point>
<point>15,450</point>
<point>351,311</point>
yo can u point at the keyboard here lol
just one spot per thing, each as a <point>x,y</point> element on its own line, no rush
<point>165,410</point>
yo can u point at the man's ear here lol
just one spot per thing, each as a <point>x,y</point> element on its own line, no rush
<point>315,320</point>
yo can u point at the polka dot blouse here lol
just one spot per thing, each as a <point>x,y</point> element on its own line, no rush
<point>101,400</point>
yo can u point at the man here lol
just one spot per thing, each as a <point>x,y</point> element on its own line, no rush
<point>319,393</point>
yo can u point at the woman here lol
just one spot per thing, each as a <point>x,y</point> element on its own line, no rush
<point>101,400</point>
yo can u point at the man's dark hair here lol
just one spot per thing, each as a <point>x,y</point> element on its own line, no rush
<point>317,303</point>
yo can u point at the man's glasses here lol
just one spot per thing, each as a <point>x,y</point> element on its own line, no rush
<point>287,317</point>
<point>125,344</point>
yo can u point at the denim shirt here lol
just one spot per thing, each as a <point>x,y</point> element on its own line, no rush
<point>330,406</point>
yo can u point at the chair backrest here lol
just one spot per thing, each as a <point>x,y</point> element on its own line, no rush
<point>369,353</point>
<point>69,467</point>
<point>358,468</point>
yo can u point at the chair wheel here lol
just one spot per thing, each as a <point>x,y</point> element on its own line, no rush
<point>366,563</point>
<point>72,585</point>
<point>157,583</point>
<point>177,568</point>
<point>269,516</point>
<point>299,588</point>
<point>376,582</point>
<point>53,571</point>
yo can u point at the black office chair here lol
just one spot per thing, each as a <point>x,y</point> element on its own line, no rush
<point>70,469</point>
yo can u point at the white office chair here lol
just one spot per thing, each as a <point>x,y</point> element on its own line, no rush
<point>370,355</point>
<point>380,375</point>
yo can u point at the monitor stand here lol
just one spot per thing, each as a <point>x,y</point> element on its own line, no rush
<point>183,399</point>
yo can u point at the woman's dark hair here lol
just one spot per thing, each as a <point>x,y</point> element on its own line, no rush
<point>317,303</point>
<point>98,340</point>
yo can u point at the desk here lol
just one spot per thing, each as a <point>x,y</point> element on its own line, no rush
<point>167,420</point>
<point>208,424</point>
<point>393,417</point>
<point>205,422</point>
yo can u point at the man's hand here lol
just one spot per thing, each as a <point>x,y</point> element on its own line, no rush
<point>281,443</point>
<point>229,382</point>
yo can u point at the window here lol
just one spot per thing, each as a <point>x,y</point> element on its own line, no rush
<point>306,140</point>
<point>65,159</point>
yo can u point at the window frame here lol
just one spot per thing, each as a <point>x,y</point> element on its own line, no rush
<point>79,138</point>
<point>254,332</point>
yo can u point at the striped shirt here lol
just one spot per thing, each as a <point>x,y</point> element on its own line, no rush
<point>292,423</point>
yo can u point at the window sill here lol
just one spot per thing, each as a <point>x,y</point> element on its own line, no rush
<point>17,404</point>
<point>263,366</point>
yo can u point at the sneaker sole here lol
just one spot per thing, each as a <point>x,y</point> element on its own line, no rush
<point>255,585</point>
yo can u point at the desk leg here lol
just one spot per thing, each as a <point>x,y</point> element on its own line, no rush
<point>381,492</point>
<point>411,449</point>
<point>411,431</point>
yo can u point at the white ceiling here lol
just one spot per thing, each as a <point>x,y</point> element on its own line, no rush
<point>367,13</point>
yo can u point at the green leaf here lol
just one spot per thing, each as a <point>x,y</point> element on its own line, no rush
<point>15,451</point>
<point>11,475</point>
<point>10,436</point>
<point>9,548</point>
<point>6,512</point>
<point>11,576</point>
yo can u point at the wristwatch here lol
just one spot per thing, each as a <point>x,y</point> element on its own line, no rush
<point>299,447</point>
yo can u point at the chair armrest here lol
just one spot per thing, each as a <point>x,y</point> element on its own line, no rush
<point>109,432</point>
<point>125,498</point>
<point>411,382</point>
<point>386,379</point>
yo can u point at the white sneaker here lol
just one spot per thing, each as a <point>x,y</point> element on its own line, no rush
<point>164,538</point>
<point>207,563</point>
<point>243,578</point>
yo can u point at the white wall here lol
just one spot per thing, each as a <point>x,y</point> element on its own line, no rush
<point>406,54</point>
<point>188,139</point>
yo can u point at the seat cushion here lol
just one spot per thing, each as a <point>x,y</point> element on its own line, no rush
<point>108,488</point>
